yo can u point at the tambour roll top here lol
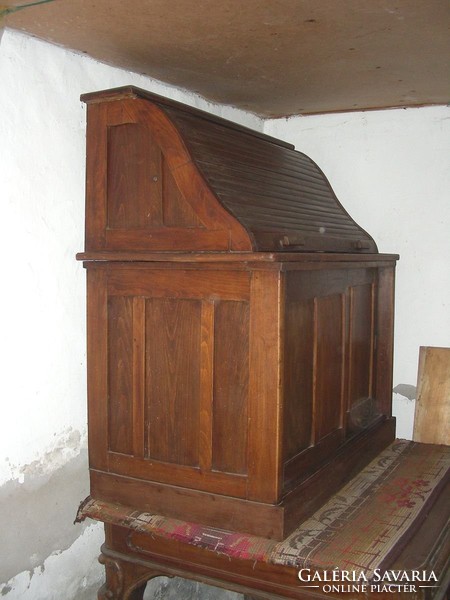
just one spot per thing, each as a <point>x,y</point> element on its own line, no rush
<point>180,179</point>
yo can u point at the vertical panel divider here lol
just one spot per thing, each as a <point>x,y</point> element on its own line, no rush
<point>385,340</point>
<point>314,374</point>
<point>351,307</point>
<point>97,353</point>
<point>138,376</point>
<point>96,170</point>
<point>372,338</point>
<point>347,332</point>
<point>206,385</point>
<point>265,387</point>
<point>344,363</point>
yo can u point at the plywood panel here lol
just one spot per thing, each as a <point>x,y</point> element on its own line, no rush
<point>361,404</point>
<point>138,376</point>
<point>328,368</point>
<point>176,211</point>
<point>432,416</point>
<point>120,374</point>
<point>231,374</point>
<point>385,339</point>
<point>298,377</point>
<point>173,342</point>
<point>134,178</point>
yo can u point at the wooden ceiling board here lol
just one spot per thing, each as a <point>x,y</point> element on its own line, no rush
<point>272,57</point>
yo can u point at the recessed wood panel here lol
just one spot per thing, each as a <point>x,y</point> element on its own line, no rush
<point>298,376</point>
<point>361,405</point>
<point>141,190</point>
<point>231,373</point>
<point>134,178</point>
<point>329,330</point>
<point>328,370</point>
<point>173,338</point>
<point>120,374</point>
<point>177,212</point>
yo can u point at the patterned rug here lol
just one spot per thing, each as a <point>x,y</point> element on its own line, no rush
<point>362,527</point>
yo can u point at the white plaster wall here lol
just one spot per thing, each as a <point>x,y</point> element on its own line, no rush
<point>391,171</point>
<point>43,408</point>
<point>42,137</point>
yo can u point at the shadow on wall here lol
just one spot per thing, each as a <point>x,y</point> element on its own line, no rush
<point>406,390</point>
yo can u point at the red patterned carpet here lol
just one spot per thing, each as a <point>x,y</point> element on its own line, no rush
<point>362,527</point>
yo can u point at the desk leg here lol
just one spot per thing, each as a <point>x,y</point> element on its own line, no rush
<point>124,580</point>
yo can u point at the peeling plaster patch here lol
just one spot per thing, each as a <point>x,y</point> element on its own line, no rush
<point>36,516</point>
<point>75,570</point>
<point>64,447</point>
<point>68,446</point>
<point>407,390</point>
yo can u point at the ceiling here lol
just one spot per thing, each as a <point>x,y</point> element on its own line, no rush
<point>272,57</point>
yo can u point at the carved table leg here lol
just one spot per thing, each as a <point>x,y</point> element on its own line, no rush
<point>137,593</point>
<point>124,580</point>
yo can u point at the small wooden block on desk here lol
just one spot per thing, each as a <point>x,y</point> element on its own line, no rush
<point>432,416</point>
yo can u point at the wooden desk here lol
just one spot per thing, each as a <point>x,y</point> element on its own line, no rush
<point>240,323</point>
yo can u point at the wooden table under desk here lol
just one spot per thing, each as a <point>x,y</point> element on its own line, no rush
<point>384,535</point>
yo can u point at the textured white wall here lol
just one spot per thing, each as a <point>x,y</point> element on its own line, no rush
<point>391,171</point>
<point>42,149</point>
<point>43,408</point>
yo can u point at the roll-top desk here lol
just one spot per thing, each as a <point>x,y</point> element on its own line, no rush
<point>239,321</point>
